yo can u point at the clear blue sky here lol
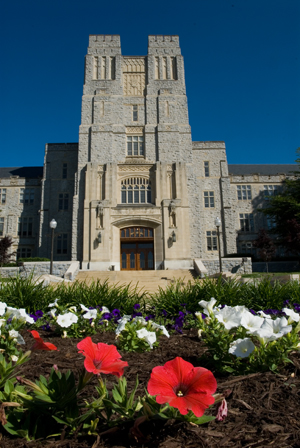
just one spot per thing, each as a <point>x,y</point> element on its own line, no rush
<point>242,64</point>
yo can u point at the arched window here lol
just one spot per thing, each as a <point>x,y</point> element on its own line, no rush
<point>136,190</point>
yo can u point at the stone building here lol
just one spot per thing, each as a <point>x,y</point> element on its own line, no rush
<point>136,192</point>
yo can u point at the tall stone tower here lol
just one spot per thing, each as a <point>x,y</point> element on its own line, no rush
<point>134,147</point>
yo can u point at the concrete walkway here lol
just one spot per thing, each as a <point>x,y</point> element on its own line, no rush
<point>146,281</point>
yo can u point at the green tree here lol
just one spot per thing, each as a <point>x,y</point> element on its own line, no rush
<point>5,254</point>
<point>284,209</point>
<point>266,247</point>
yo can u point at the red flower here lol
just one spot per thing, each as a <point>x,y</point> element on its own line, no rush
<point>101,358</point>
<point>40,344</point>
<point>183,386</point>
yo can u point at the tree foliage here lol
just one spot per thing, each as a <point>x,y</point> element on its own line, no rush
<point>265,245</point>
<point>5,254</point>
<point>284,209</point>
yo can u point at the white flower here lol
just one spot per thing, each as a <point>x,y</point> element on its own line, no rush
<point>54,304</point>
<point>208,306</point>
<point>73,309</point>
<point>84,308</point>
<point>52,313</point>
<point>16,337</point>
<point>2,322</point>
<point>242,347</point>
<point>264,335</point>
<point>66,320</point>
<point>2,308</point>
<point>105,310</point>
<point>293,316</point>
<point>22,315</point>
<point>11,311</point>
<point>160,327</point>
<point>14,358</point>
<point>250,322</point>
<point>149,336</point>
<point>229,317</point>
<point>198,315</point>
<point>279,327</point>
<point>91,314</point>
<point>140,320</point>
<point>64,335</point>
<point>122,322</point>
<point>200,333</point>
<point>241,309</point>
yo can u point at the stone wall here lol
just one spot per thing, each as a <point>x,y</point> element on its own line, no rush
<point>234,265</point>
<point>38,269</point>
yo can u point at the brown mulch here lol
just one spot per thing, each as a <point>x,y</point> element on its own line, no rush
<point>263,408</point>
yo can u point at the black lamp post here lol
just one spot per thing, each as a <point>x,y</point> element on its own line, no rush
<point>53,225</point>
<point>218,224</point>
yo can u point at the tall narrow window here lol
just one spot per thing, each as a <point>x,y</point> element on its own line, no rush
<point>164,66</point>
<point>26,196</point>
<point>211,240</point>
<point>2,195</point>
<point>25,225</point>
<point>135,145</point>
<point>103,67</point>
<point>246,222</point>
<point>62,243</point>
<point>244,192</point>
<point>173,68</point>
<point>102,108</point>
<point>95,67</point>
<point>156,68</point>
<point>1,226</point>
<point>206,169</point>
<point>112,68</point>
<point>64,170</point>
<point>135,113</point>
<point>63,201</point>
<point>209,199</point>
<point>167,109</point>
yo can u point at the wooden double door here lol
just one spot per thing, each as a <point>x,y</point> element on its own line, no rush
<point>137,249</point>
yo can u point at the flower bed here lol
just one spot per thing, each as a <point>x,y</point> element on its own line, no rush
<point>180,358</point>
<point>263,408</point>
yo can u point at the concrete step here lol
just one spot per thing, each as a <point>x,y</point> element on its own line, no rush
<point>145,281</point>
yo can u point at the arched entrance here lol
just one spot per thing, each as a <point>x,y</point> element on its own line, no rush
<point>137,248</point>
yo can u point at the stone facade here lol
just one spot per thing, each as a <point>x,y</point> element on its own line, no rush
<point>136,167</point>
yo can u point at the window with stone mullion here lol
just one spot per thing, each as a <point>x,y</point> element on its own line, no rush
<point>135,145</point>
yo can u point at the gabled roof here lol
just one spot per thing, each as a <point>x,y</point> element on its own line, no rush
<point>31,172</point>
<point>265,170</point>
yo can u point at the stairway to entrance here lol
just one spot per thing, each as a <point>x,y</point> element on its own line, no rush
<point>146,281</point>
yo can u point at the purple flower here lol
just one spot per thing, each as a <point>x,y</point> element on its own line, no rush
<point>285,303</point>
<point>116,313</point>
<point>39,313</point>
<point>136,314</point>
<point>181,315</point>
<point>151,316</point>
<point>137,306</point>
<point>253,312</point>
<point>179,322</point>
<point>164,313</point>
<point>107,316</point>
<point>183,304</point>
